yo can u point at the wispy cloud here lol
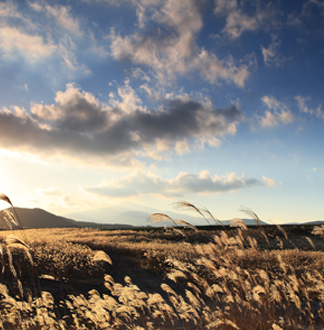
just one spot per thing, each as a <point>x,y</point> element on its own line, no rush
<point>303,106</point>
<point>67,50</point>
<point>62,16</point>
<point>50,191</point>
<point>269,182</point>
<point>9,10</point>
<point>174,52</point>
<point>309,4</point>
<point>277,113</point>
<point>51,198</point>
<point>45,36</point>
<point>271,55</point>
<point>14,42</point>
<point>139,183</point>
<point>239,20</point>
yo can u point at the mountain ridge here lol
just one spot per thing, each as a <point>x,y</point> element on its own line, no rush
<point>39,218</point>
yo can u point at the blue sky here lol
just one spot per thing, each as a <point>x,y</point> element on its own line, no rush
<point>149,101</point>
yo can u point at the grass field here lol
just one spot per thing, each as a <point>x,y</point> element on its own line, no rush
<point>171,278</point>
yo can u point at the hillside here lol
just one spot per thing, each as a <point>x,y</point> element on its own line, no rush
<point>113,219</point>
<point>38,218</point>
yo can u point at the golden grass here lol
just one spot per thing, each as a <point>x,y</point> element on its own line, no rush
<point>230,279</point>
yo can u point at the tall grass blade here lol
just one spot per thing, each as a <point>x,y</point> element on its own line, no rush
<point>187,224</point>
<point>5,198</point>
<point>188,206</point>
<point>159,217</point>
<point>212,217</point>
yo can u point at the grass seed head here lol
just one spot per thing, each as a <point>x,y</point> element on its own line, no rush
<point>102,256</point>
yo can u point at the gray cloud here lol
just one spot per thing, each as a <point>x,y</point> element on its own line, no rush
<point>78,125</point>
<point>73,111</point>
<point>138,183</point>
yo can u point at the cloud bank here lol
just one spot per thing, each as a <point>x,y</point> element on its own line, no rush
<point>77,125</point>
<point>138,183</point>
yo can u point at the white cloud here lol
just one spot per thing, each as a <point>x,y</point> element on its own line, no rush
<point>51,198</point>
<point>50,191</point>
<point>278,113</point>
<point>175,52</point>
<point>205,183</point>
<point>63,18</point>
<point>67,50</point>
<point>48,37</point>
<point>271,55</point>
<point>225,6</point>
<point>318,3</point>
<point>212,69</point>
<point>237,23</point>
<point>133,184</point>
<point>31,47</point>
<point>182,147</point>
<point>128,101</point>
<point>269,182</point>
<point>60,14</point>
<point>139,183</point>
<point>8,9</point>
<point>239,20</point>
<point>301,101</point>
<point>304,108</point>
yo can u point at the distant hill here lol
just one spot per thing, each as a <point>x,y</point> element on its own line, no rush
<point>138,215</point>
<point>109,218</point>
<point>114,214</point>
<point>131,214</point>
<point>38,218</point>
<point>313,223</point>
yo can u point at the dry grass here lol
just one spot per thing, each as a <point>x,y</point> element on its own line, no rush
<point>275,279</point>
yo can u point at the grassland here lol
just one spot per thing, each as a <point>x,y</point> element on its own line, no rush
<point>173,278</point>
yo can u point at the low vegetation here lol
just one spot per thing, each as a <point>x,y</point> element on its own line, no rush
<point>229,278</point>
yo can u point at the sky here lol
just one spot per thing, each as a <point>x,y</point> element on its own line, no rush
<point>219,103</point>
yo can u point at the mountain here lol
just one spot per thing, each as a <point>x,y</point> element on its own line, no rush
<point>38,218</point>
<point>115,217</point>
<point>138,215</point>
<point>130,213</point>
<point>313,223</point>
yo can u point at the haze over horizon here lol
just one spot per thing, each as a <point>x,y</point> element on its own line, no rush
<point>215,102</point>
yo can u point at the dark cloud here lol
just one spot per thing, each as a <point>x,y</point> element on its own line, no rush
<point>78,125</point>
<point>77,115</point>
